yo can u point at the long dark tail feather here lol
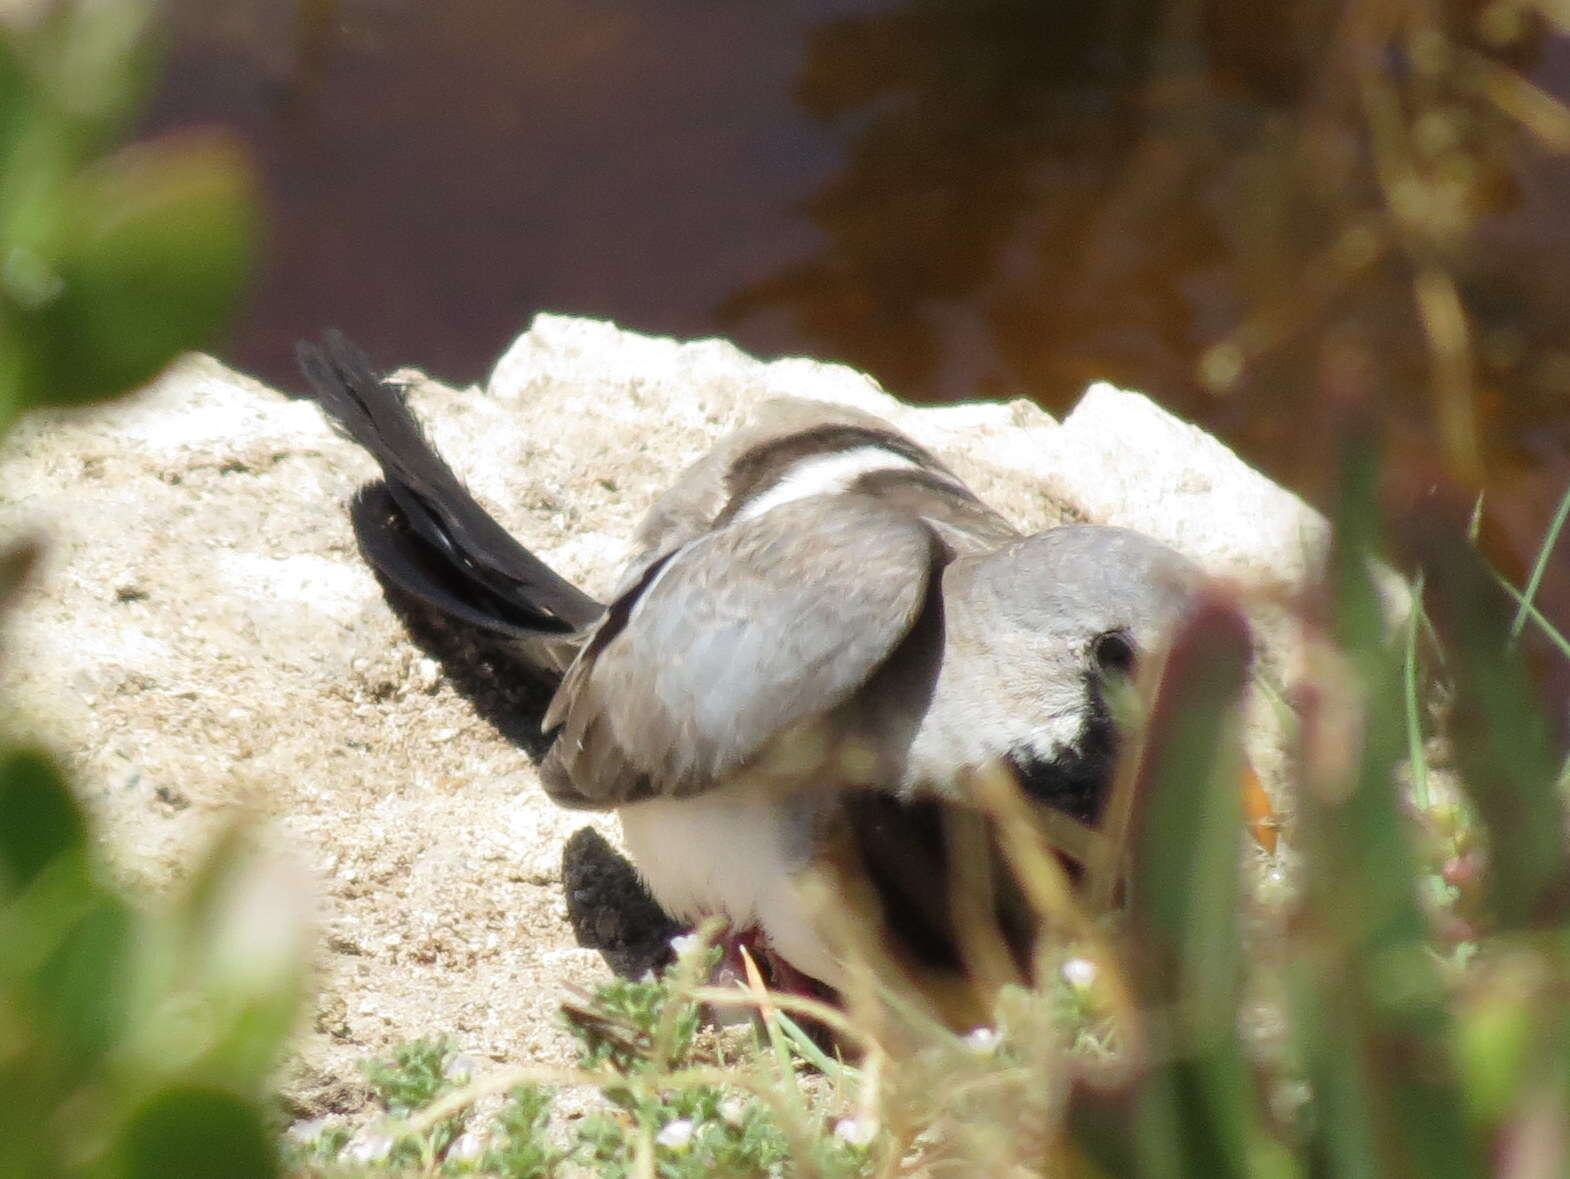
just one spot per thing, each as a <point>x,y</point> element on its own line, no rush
<point>420,527</point>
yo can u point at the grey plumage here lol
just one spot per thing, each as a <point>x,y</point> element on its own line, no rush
<point>724,646</point>
<point>817,610</point>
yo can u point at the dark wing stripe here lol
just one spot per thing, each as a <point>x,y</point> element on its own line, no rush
<point>759,470</point>
<point>611,623</point>
<point>949,506</point>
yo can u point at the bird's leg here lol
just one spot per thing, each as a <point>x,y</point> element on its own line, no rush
<point>785,978</point>
<point>779,976</point>
<point>734,943</point>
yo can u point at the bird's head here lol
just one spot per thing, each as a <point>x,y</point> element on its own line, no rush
<point>1039,636</point>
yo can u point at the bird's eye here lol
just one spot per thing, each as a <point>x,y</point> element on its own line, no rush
<point>1113,653</point>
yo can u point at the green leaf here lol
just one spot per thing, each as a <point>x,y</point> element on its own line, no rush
<point>39,817</point>
<point>241,936</point>
<point>195,1132</point>
<point>1359,616</point>
<point>1195,1113</point>
<point>1417,754</point>
<point>15,100</point>
<point>156,247</point>
<point>81,993</point>
<point>98,62</point>
<point>1187,820</point>
<point>1539,567</point>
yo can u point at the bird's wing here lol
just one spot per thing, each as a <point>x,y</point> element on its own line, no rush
<point>732,640</point>
<point>700,493</point>
<point>793,448</point>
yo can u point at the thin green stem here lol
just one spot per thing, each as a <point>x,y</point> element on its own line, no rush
<point>1545,550</point>
<point>1416,755</point>
<point>1536,616</point>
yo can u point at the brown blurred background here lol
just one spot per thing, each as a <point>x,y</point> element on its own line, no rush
<point>1275,218</point>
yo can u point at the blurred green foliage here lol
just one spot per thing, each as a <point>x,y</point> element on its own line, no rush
<point>135,1043</point>
<point>1421,973</point>
<point>111,261</point>
<point>132,1043</point>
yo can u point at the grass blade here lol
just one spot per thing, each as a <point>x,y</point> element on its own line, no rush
<point>1545,550</point>
<point>1553,633</point>
<point>1417,757</point>
<point>1195,1113</point>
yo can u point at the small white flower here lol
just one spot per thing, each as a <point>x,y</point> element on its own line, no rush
<point>1080,973</point>
<point>982,1039</point>
<point>734,1111</point>
<point>306,1132</point>
<point>856,1131</point>
<point>369,1146</point>
<point>467,1147</point>
<point>683,944</point>
<point>461,1067</point>
<point>675,1135</point>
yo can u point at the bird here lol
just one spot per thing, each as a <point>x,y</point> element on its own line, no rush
<point>820,637</point>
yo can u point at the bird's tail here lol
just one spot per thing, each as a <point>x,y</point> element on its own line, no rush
<point>420,527</point>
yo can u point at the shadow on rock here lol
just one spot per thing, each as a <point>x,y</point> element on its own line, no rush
<point>607,905</point>
<point>506,692</point>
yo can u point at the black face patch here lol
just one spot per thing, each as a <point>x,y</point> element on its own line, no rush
<point>1077,780</point>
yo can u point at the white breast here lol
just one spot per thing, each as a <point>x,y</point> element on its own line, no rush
<point>733,853</point>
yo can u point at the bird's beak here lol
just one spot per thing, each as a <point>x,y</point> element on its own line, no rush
<point>1258,812</point>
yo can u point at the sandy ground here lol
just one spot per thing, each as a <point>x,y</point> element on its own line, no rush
<point>204,639</point>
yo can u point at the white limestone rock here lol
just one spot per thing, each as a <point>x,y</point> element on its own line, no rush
<point>204,636</point>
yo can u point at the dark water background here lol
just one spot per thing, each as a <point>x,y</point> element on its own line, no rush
<point>439,172</point>
<point>964,198</point>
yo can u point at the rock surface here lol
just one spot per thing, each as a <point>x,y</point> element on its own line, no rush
<point>204,637</point>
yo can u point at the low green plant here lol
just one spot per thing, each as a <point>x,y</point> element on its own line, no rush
<point>416,1075</point>
<point>671,1100</point>
<point>523,1148</point>
<point>413,1077</point>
